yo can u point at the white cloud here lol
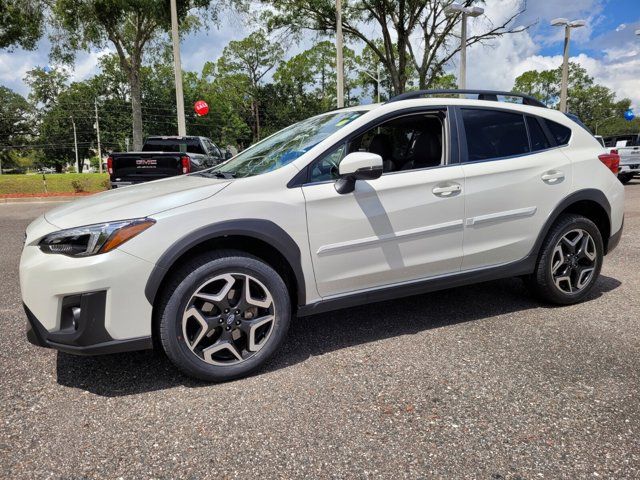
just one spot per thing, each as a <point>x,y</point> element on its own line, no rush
<point>497,65</point>
<point>14,66</point>
<point>87,65</point>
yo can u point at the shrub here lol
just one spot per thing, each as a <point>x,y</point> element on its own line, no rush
<point>80,185</point>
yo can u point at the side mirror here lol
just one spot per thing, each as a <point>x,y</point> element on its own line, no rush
<point>357,166</point>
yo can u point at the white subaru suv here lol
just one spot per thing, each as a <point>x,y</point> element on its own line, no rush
<point>354,206</point>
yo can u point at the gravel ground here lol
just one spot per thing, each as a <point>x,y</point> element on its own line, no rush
<point>475,382</point>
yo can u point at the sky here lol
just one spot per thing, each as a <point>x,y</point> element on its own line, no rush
<point>607,47</point>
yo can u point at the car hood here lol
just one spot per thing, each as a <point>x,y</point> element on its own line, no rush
<point>135,201</point>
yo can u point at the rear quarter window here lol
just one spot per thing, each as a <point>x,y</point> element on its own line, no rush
<point>561,133</point>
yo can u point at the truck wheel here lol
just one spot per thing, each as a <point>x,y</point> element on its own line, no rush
<point>569,262</point>
<point>223,315</point>
<point>625,177</point>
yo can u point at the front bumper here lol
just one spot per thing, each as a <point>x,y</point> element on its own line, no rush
<point>632,168</point>
<point>86,335</point>
<point>108,290</point>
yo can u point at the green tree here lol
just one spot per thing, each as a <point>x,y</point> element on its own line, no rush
<point>414,34</point>
<point>21,23</point>
<point>16,125</point>
<point>592,103</point>
<point>252,57</point>
<point>131,27</point>
<point>73,105</point>
<point>45,85</point>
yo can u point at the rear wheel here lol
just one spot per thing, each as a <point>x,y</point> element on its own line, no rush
<point>570,261</point>
<point>224,314</point>
<point>625,177</point>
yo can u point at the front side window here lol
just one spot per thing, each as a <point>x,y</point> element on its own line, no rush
<point>405,143</point>
<point>494,134</point>
<point>285,146</point>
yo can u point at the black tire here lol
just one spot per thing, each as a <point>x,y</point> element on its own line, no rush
<point>179,291</point>
<point>625,177</point>
<point>541,282</point>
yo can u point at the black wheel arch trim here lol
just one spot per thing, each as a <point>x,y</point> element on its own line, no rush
<point>590,194</point>
<point>260,229</point>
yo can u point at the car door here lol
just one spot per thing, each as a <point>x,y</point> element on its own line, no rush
<point>515,175</point>
<point>404,226</point>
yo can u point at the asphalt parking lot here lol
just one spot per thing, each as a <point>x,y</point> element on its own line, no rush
<point>474,382</point>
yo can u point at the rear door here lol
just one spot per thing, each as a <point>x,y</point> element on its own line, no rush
<point>515,174</point>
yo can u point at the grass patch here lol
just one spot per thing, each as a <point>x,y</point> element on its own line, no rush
<point>56,183</point>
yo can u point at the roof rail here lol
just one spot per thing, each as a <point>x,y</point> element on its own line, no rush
<point>482,95</point>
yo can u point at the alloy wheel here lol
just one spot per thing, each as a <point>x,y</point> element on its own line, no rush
<point>228,319</point>
<point>573,262</point>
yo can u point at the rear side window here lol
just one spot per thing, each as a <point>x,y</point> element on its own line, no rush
<point>539,140</point>
<point>561,133</point>
<point>494,134</point>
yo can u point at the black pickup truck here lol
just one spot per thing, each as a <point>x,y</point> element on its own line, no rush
<point>163,157</point>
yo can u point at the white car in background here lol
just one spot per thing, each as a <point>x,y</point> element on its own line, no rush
<point>628,149</point>
<point>354,206</point>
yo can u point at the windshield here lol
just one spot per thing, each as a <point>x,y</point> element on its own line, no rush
<point>285,146</point>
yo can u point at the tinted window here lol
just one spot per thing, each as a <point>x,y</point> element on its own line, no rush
<point>494,134</point>
<point>191,145</point>
<point>404,143</point>
<point>539,140</point>
<point>561,133</point>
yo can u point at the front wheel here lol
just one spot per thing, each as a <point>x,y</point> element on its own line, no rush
<point>224,314</point>
<point>569,262</point>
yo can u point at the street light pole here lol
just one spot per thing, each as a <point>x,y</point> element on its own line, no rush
<point>568,25</point>
<point>339,60</point>
<point>453,9</point>
<point>177,67</point>
<point>95,103</point>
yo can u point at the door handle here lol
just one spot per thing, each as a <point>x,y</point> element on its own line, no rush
<point>552,177</point>
<point>447,190</point>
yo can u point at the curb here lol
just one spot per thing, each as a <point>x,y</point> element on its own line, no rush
<point>52,199</point>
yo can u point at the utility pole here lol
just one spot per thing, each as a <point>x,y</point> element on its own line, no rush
<point>563,22</point>
<point>95,103</point>
<point>177,67</point>
<point>454,9</point>
<point>75,141</point>
<point>339,61</point>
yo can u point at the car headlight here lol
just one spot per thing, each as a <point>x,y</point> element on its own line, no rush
<point>93,239</point>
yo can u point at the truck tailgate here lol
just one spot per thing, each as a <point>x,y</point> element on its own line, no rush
<point>145,166</point>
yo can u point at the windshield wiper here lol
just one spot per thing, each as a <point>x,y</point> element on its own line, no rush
<point>217,174</point>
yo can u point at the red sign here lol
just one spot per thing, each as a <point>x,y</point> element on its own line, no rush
<point>201,108</point>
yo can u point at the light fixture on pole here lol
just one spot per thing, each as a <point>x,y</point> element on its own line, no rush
<point>454,9</point>
<point>568,25</point>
